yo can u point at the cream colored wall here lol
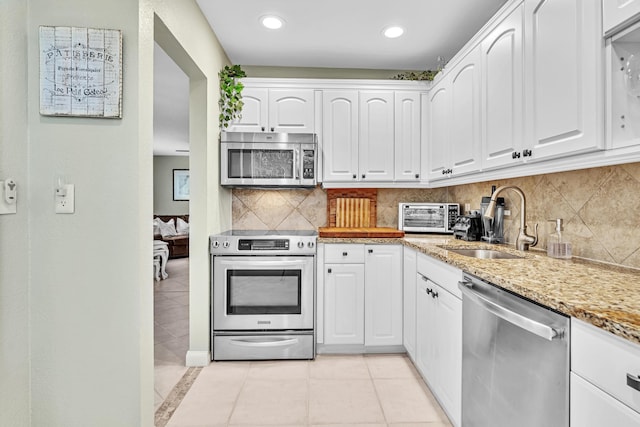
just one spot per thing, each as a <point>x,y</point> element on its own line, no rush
<point>193,46</point>
<point>76,337</point>
<point>317,73</point>
<point>14,237</point>
<point>163,203</point>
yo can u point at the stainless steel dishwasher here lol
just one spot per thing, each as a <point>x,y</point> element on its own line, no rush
<point>515,360</point>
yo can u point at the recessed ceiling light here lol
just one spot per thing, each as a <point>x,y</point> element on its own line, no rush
<point>272,22</point>
<point>393,32</point>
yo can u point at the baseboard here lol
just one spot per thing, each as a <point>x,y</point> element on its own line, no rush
<point>198,358</point>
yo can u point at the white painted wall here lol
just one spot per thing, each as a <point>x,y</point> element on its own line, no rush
<point>163,203</point>
<point>14,238</point>
<point>76,313</point>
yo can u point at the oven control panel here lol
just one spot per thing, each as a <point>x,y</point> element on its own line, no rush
<point>271,245</point>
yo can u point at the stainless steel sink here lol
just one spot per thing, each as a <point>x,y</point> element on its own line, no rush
<point>484,253</point>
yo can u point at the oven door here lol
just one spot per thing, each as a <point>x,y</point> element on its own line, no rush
<point>263,293</point>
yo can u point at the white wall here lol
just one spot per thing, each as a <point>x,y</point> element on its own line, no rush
<point>14,239</point>
<point>163,203</point>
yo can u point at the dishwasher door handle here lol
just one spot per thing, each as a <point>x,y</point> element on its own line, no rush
<point>540,329</point>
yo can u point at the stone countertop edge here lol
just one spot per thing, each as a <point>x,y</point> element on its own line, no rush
<point>605,296</point>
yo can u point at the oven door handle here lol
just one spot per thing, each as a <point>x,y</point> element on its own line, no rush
<point>264,342</point>
<point>533,326</point>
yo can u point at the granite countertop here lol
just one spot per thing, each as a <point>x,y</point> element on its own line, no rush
<point>601,294</point>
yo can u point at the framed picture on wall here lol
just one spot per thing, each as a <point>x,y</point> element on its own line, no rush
<point>181,184</point>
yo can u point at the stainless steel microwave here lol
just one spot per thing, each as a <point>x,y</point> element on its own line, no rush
<point>276,160</point>
<point>427,217</point>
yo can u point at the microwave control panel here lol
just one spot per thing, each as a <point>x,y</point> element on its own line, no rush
<point>308,164</point>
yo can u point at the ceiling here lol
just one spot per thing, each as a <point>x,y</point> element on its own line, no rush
<point>319,34</point>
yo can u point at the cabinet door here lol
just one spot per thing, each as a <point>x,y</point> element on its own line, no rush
<point>340,135</point>
<point>465,115</point>
<point>449,353</point>
<point>409,301</point>
<point>383,295</point>
<point>407,136</point>
<point>564,79</point>
<point>438,130</point>
<point>502,89</point>
<point>344,304</point>
<point>426,325</point>
<point>254,111</point>
<point>591,407</point>
<point>376,136</point>
<point>291,110</point>
<point>616,13</point>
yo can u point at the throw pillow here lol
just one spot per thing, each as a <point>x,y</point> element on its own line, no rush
<point>182,226</point>
<point>167,229</point>
<point>156,226</point>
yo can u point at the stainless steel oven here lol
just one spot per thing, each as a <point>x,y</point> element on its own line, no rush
<point>263,288</point>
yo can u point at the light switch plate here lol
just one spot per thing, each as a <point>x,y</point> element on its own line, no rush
<point>65,199</point>
<point>6,208</point>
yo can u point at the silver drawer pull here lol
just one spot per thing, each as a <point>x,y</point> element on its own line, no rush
<point>633,381</point>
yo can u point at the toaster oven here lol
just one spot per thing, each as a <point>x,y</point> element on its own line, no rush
<point>427,217</point>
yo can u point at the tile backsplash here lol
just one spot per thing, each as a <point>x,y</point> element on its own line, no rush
<point>600,208</point>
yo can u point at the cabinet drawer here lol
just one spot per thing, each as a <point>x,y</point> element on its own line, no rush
<point>441,273</point>
<point>348,253</point>
<point>605,360</point>
<point>591,407</point>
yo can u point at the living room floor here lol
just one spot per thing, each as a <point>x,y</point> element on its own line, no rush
<point>349,390</point>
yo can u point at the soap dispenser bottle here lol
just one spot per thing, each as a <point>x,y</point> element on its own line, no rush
<point>557,246</point>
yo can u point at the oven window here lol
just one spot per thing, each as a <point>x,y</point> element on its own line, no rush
<point>264,292</point>
<point>255,163</point>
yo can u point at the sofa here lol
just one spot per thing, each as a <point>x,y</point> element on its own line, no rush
<point>177,237</point>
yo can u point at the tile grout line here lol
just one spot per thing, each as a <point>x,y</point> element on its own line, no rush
<point>165,411</point>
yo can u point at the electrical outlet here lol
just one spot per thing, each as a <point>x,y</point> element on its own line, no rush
<point>467,207</point>
<point>65,199</point>
<point>7,197</point>
<point>507,212</point>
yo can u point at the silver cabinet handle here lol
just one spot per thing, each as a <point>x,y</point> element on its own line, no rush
<point>533,326</point>
<point>633,381</point>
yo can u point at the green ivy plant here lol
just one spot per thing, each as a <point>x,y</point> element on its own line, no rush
<point>230,94</point>
<point>416,75</point>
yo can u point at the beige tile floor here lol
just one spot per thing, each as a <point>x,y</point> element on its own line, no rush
<point>331,391</point>
<point>171,327</point>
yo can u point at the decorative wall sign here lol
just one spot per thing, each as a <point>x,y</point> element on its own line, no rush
<point>80,72</point>
<point>181,184</point>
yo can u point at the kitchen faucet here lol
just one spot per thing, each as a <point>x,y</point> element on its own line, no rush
<point>524,240</point>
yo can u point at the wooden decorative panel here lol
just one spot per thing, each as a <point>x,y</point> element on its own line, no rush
<point>352,210</point>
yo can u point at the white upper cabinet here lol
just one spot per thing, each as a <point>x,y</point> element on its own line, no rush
<point>254,111</point>
<point>618,13</point>
<point>465,115</point>
<point>376,139</point>
<point>276,110</point>
<point>564,85</point>
<point>502,92</point>
<point>438,130</point>
<point>407,136</point>
<point>340,135</point>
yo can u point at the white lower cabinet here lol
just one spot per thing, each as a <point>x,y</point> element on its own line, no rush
<point>362,295</point>
<point>605,378</point>
<point>439,332</point>
<point>409,301</point>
